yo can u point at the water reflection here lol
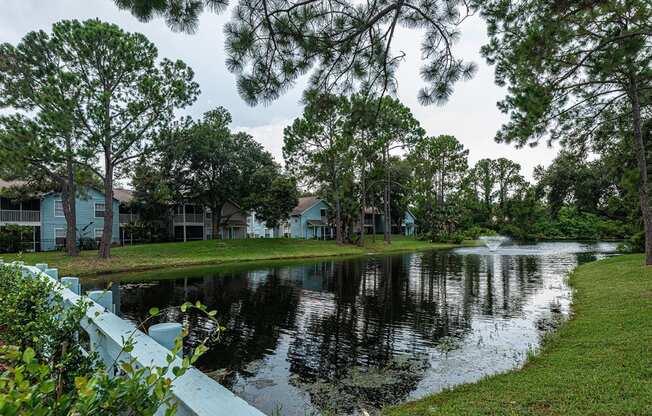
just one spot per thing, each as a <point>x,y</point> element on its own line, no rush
<point>359,334</point>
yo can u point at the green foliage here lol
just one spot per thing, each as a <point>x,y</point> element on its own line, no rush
<point>439,165</point>
<point>278,201</point>
<point>15,238</point>
<point>635,244</point>
<point>345,45</point>
<point>317,148</point>
<point>578,72</point>
<point>45,372</point>
<point>203,161</point>
<point>96,90</point>
<point>474,232</point>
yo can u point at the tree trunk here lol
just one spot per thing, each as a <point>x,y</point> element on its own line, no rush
<point>643,189</point>
<point>216,218</point>
<point>107,234</point>
<point>386,200</point>
<point>70,213</point>
<point>338,221</point>
<point>68,197</point>
<point>363,205</point>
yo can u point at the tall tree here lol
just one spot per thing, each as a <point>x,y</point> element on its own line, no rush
<point>214,166</point>
<point>347,44</point>
<point>317,148</point>
<point>278,200</point>
<point>393,127</point>
<point>125,96</point>
<point>39,142</point>
<point>507,174</point>
<point>484,176</point>
<point>573,67</point>
<point>439,165</point>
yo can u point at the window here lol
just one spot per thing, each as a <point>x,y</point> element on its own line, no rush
<point>99,209</point>
<point>323,212</point>
<point>98,234</point>
<point>59,236</point>
<point>58,208</point>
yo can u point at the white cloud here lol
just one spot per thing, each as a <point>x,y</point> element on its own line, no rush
<point>270,136</point>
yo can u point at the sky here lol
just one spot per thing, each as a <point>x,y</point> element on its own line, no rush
<point>470,115</point>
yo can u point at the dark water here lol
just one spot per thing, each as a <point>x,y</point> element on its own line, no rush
<point>347,336</point>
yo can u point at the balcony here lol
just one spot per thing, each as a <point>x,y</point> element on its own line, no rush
<point>189,219</point>
<point>20,216</point>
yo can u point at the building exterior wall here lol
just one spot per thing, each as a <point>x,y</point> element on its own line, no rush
<point>299,223</point>
<point>257,228</point>
<point>87,223</point>
<point>409,224</point>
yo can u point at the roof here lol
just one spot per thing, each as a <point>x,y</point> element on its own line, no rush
<point>305,203</point>
<point>123,195</point>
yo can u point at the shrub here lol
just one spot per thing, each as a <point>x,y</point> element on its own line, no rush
<point>44,370</point>
<point>15,238</point>
<point>636,243</point>
<point>474,232</point>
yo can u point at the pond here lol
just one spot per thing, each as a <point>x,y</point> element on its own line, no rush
<point>348,336</point>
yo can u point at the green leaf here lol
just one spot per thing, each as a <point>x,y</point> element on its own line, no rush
<point>154,311</point>
<point>128,368</point>
<point>28,355</point>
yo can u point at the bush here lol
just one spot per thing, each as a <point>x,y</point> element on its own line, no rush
<point>15,238</point>
<point>44,370</point>
<point>474,232</point>
<point>636,243</point>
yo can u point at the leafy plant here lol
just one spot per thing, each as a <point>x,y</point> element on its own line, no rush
<point>45,370</point>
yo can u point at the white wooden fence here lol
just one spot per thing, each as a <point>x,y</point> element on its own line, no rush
<point>195,393</point>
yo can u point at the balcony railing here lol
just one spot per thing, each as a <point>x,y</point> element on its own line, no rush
<point>127,218</point>
<point>20,216</point>
<point>189,218</point>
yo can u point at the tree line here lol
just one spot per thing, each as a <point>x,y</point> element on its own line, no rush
<point>90,104</point>
<point>373,158</point>
<point>577,71</point>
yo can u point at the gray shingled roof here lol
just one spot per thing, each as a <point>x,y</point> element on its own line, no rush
<point>304,203</point>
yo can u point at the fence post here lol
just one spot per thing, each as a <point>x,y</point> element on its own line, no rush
<point>53,273</point>
<point>103,298</point>
<point>166,333</point>
<point>71,283</point>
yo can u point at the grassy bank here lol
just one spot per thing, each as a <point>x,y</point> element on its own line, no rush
<point>598,363</point>
<point>152,256</point>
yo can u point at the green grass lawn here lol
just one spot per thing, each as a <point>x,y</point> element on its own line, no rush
<point>598,363</point>
<point>151,256</point>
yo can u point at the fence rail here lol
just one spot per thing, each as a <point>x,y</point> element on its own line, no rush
<point>7,215</point>
<point>195,393</point>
